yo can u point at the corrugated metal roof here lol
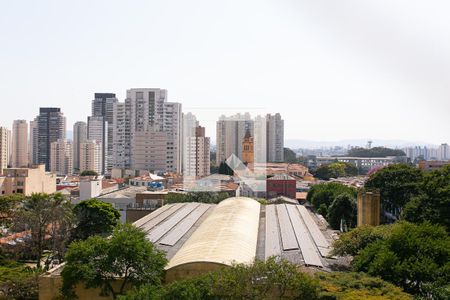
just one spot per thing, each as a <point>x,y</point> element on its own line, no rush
<point>228,235</point>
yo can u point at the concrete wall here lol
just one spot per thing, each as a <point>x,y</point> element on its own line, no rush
<point>191,270</point>
<point>50,286</point>
<point>132,215</point>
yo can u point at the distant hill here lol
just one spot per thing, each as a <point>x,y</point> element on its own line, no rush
<point>310,144</point>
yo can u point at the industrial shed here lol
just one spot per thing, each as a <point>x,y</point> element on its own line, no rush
<point>198,237</point>
<point>228,235</point>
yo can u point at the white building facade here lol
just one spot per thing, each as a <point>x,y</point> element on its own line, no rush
<point>146,112</point>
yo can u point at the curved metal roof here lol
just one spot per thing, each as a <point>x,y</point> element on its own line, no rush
<point>228,235</point>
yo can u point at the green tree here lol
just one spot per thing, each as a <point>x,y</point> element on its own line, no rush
<point>264,280</point>
<point>327,171</point>
<point>273,279</point>
<point>202,197</point>
<point>343,208</point>
<point>397,183</point>
<point>355,286</point>
<point>352,242</point>
<point>433,202</point>
<point>350,169</point>
<point>89,173</point>
<point>412,257</point>
<point>45,215</point>
<point>18,281</point>
<point>335,170</point>
<point>325,193</point>
<point>375,152</point>
<point>97,262</point>
<point>8,206</point>
<point>94,217</point>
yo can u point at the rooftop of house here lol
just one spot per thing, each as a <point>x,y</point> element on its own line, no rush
<point>281,177</point>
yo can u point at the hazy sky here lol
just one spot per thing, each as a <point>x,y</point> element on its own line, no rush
<point>334,69</point>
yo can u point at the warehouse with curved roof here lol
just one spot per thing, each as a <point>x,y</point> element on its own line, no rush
<point>229,235</point>
<point>200,237</point>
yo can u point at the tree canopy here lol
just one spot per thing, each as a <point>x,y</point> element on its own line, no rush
<point>97,262</point>
<point>203,197</point>
<point>323,196</point>
<point>273,279</point>
<point>342,208</point>
<point>415,257</point>
<point>433,201</point>
<point>352,242</point>
<point>94,217</point>
<point>356,286</point>
<point>18,281</point>
<point>8,206</point>
<point>397,184</point>
<point>47,217</point>
<point>374,152</point>
<point>89,173</point>
<point>335,170</point>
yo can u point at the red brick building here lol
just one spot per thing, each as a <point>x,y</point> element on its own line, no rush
<point>281,185</point>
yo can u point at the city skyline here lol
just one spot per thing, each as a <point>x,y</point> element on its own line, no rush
<point>379,73</point>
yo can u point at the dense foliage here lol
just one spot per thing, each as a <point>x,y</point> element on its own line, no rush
<point>351,243</point>
<point>8,206</point>
<point>203,197</point>
<point>94,217</point>
<point>96,262</point>
<point>17,281</point>
<point>335,170</point>
<point>342,209</point>
<point>356,286</point>
<point>374,152</point>
<point>261,280</point>
<point>415,257</point>
<point>397,184</point>
<point>273,279</point>
<point>89,173</point>
<point>433,201</point>
<point>341,199</point>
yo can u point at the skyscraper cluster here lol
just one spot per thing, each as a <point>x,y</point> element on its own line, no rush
<point>267,132</point>
<point>143,132</point>
<point>442,152</point>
